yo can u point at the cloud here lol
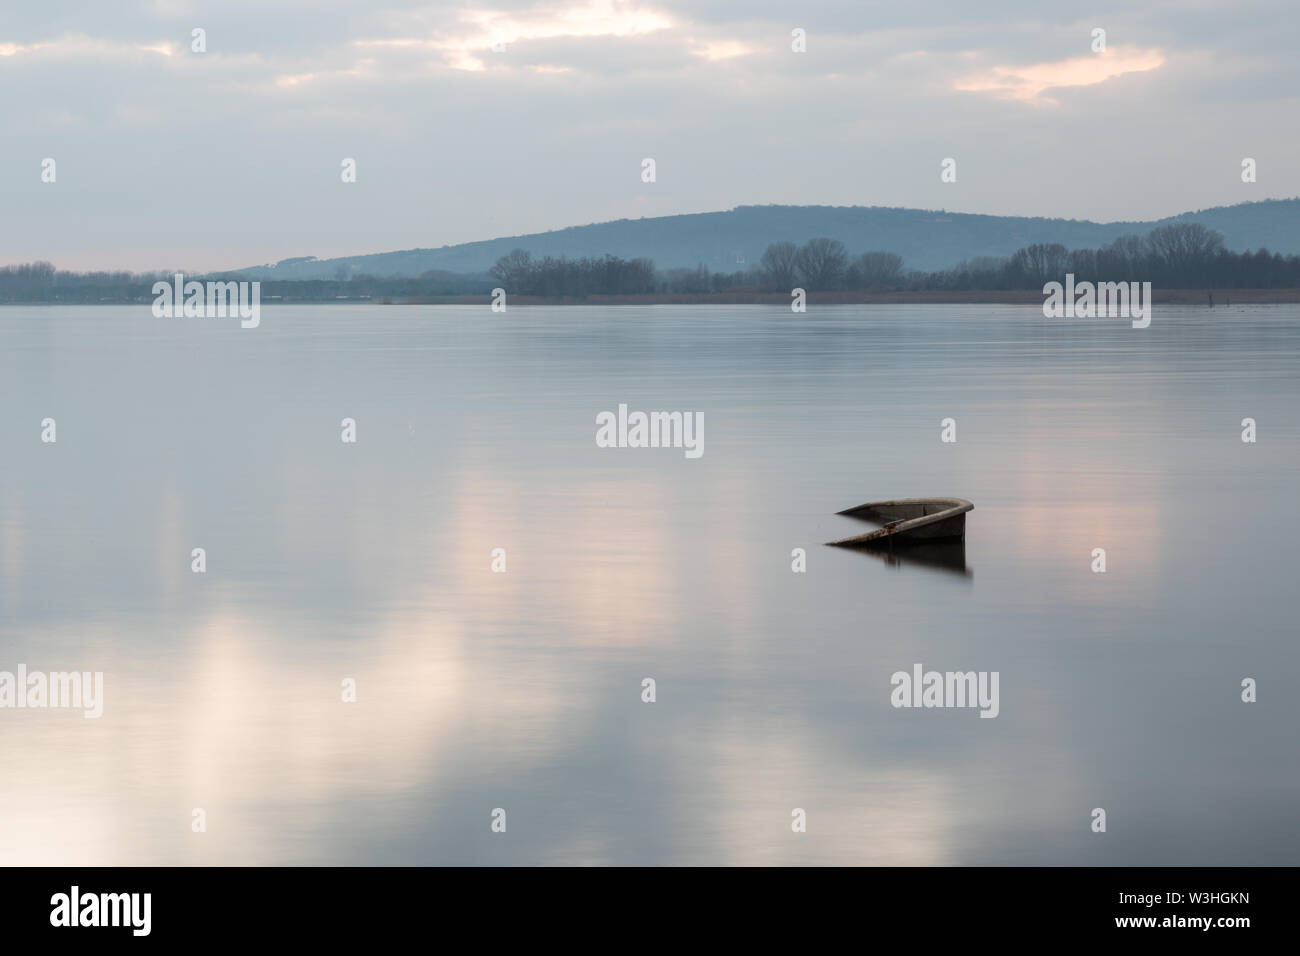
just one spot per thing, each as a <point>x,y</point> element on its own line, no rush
<point>551,131</point>
<point>1030,82</point>
<point>77,46</point>
<point>478,34</point>
<point>722,50</point>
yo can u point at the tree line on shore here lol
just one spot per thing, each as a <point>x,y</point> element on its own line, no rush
<point>1180,255</point>
<point>41,282</point>
<point>1176,256</point>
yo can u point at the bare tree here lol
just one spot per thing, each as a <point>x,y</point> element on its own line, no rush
<point>1124,259</point>
<point>513,271</point>
<point>1041,262</point>
<point>875,269</point>
<point>1184,247</point>
<point>821,263</point>
<point>778,264</point>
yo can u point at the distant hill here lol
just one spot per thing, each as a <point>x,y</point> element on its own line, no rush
<point>727,241</point>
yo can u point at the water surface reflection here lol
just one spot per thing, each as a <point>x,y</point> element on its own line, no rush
<point>522,690</point>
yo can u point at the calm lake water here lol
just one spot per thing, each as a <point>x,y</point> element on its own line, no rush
<point>522,690</point>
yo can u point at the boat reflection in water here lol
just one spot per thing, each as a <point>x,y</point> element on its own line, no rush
<point>941,555</point>
<point>928,532</point>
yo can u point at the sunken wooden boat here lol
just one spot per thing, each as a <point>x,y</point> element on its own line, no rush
<point>907,520</point>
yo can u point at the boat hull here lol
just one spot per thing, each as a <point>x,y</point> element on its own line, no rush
<point>908,519</point>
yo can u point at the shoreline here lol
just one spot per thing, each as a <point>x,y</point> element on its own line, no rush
<point>1222,297</point>
<point>976,297</point>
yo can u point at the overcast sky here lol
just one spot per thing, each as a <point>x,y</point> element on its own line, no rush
<point>168,158</point>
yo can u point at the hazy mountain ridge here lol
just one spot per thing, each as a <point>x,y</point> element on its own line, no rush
<point>734,239</point>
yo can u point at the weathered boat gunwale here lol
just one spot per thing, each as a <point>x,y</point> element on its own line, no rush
<point>906,519</point>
